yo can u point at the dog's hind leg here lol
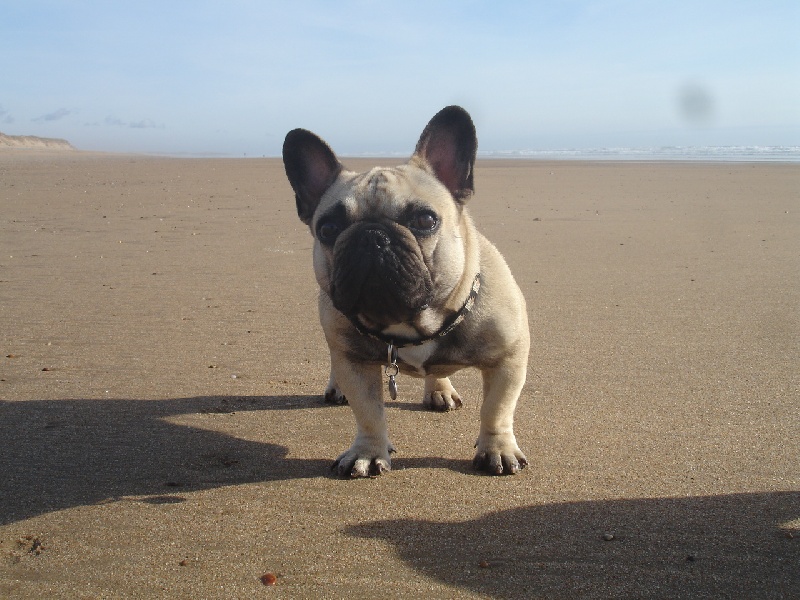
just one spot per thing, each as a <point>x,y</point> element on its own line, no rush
<point>333,395</point>
<point>440,395</point>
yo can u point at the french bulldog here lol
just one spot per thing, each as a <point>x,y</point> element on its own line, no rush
<point>409,286</point>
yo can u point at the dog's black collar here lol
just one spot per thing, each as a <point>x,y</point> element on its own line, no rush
<point>446,327</point>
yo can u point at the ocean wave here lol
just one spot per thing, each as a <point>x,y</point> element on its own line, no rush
<point>678,153</point>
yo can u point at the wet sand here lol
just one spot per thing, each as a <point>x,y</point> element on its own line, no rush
<point>162,432</point>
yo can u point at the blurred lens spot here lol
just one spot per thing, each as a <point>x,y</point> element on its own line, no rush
<point>695,104</point>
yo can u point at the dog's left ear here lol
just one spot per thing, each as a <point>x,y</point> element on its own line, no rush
<point>311,167</point>
<point>448,146</point>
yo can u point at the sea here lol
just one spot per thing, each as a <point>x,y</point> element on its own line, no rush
<point>663,153</point>
<point>776,154</point>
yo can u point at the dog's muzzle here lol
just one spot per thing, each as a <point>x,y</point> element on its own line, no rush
<point>379,273</point>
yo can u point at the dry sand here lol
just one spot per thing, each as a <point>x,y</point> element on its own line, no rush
<point>661,407</point>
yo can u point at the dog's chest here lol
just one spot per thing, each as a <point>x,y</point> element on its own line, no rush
<point>415,357</point>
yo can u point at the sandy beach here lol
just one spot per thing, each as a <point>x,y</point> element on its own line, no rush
<point>162,433</point>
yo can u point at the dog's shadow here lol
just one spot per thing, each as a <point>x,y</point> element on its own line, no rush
<point>57,454</point>
<point>728,546</point>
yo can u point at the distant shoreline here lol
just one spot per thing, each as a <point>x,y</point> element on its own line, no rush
<point>689,154</point>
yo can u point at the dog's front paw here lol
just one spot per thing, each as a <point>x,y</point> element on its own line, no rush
<point>333,395</point>
<point>440,395</point>
<point>364,459</point>
<point>498,454</point>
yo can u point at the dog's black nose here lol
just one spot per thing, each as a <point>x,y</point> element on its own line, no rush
<point>374,239</point>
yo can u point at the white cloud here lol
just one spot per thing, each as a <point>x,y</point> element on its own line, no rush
<point>55,115</point>
<point>5,116</point>
<point>143,124</point>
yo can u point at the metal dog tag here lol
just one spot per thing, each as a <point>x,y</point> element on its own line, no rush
<point>392,370</point>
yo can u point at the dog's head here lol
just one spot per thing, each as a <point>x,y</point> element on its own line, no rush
<point>389,243</point>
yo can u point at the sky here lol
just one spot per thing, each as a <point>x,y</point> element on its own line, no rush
<point>232,77</point>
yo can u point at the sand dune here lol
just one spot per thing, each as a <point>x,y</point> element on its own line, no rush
<point>32,141</point>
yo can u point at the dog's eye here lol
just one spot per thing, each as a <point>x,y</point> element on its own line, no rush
<point>424,221</point>
<point>328,231</point>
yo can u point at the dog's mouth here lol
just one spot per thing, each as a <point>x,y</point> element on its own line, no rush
<point>379,275</point>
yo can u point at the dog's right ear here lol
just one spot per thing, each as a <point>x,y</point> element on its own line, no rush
<point>311,167</point>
